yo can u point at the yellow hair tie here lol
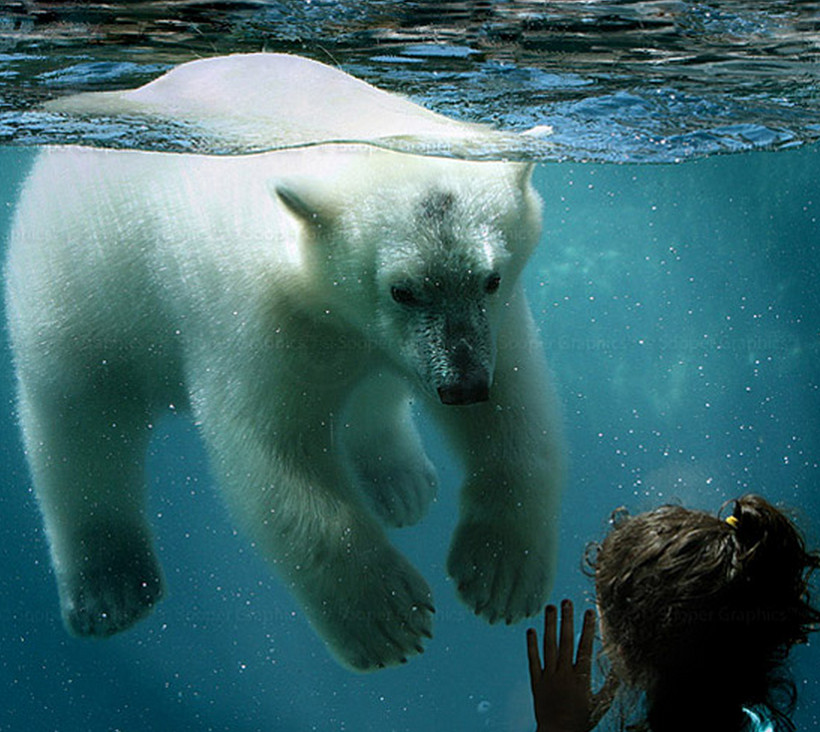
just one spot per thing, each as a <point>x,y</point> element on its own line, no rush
<point>732,521</point>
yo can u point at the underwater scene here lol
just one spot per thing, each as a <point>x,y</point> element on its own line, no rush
<point>674,287</point>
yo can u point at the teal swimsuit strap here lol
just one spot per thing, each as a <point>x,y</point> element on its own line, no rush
<point>758,722</point>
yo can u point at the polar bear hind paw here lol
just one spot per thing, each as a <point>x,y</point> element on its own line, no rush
<point>383,623</point>
<point>111,593</point>
<point>398,492</point>
<point>390,645</point>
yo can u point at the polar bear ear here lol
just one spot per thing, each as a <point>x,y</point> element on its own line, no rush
<point>309,204</point>
<point>524,173</point>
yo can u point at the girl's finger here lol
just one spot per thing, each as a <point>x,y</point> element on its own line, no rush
<point>532,655</point>
<point>550,630</point>
<point>566,644</point>
<point>583,661</point>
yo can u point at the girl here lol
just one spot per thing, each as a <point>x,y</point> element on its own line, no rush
<point>697,612</point>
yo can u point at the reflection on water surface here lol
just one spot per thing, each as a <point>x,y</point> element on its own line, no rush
<point>657,80</point>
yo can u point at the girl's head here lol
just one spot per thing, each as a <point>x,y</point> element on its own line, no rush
<point>701,612</point>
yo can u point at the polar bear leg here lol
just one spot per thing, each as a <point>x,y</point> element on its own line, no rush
<point>397,479</point>
<point>287,485</point>
<point>86,450</point>
<point>503,552</point>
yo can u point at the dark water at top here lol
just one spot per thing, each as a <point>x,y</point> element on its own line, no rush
<point>678,306</point>
<point>652,80</point>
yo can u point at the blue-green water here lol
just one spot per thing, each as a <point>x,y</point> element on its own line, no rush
<point>680,311</point>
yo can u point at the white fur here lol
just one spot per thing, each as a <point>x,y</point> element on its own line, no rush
<point>260,101</point>
<point>257,292</point>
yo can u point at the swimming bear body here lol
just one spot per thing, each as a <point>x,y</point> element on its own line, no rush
<point>293,301</point>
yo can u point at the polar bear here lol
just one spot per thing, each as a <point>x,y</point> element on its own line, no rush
<point>293,302</point>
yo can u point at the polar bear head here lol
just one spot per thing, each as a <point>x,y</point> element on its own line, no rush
<point>422,256</point>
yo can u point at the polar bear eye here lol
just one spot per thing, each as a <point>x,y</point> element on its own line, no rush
<point>403,295</point>
<point>492,284</point>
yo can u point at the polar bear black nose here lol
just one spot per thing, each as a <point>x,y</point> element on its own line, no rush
<point>471,389</point>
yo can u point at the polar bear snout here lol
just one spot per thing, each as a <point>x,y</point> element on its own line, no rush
<point>472,389</point>
<point>465,363</point>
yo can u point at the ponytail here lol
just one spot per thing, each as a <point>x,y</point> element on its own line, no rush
<point>701,611</point>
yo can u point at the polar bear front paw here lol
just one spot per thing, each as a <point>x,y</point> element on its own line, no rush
<point>398,487</point>
<point>381,619</point>
<point>114,588</point>
<point>500,574</point>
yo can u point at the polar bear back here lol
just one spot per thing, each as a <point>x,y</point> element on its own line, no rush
<point>267,100</point>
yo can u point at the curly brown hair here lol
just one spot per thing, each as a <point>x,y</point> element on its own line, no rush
<point>701,612</point>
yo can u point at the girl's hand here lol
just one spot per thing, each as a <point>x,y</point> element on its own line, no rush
<point>561,691</point>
